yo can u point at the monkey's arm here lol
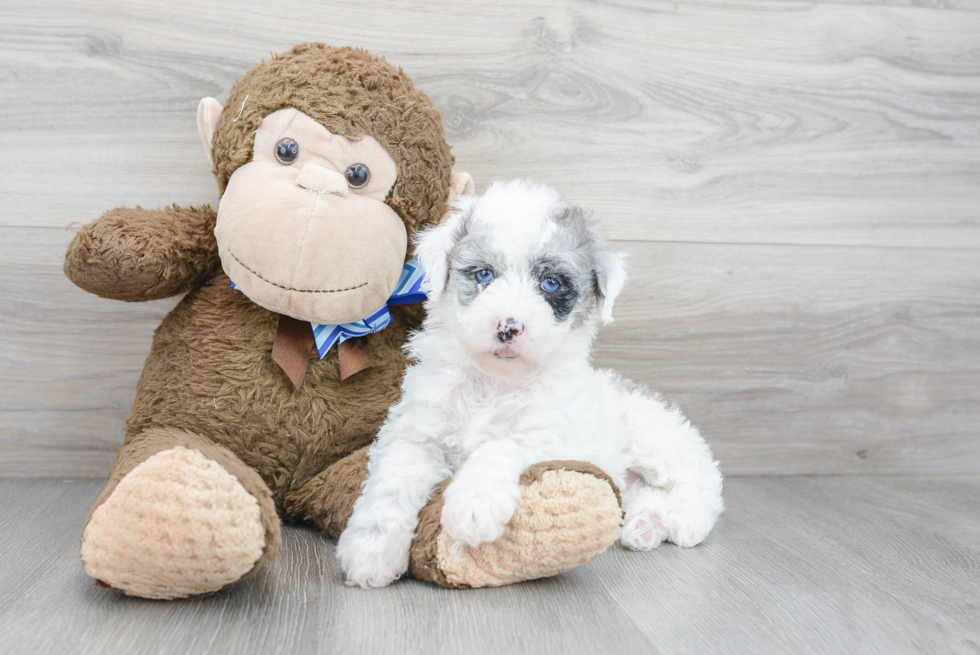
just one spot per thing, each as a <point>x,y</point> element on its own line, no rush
<point>144,254</point>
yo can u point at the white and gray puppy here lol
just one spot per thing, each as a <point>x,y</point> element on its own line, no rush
<point>518,284</point>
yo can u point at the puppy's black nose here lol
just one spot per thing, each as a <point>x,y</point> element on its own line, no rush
<point>508,329</point>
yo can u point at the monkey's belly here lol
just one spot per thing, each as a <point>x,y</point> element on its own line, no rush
<point>210,372</point>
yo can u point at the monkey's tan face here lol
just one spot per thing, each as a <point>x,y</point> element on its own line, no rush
<point>303,229</point>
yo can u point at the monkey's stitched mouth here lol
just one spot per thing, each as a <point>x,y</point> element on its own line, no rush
<point>258,275</point>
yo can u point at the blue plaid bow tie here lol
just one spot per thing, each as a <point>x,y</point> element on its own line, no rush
<point>407,291</point>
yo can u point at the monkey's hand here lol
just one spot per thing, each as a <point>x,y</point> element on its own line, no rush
<point>144,254</point>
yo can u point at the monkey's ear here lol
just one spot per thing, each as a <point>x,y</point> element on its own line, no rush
<point>432,248</point>
<point>610,277</point>
<point>460,184</point>
<point>208,113</point>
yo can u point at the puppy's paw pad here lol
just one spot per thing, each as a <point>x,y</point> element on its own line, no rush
<point>644,531</point>
<point>474,517</point>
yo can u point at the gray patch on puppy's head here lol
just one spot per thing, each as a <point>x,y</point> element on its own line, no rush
<point>470,253</point>
<point>570,257</point>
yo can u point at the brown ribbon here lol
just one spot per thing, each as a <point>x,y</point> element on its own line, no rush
<point>354,357</point>
<point>294,341</point>
<point>291,349</point>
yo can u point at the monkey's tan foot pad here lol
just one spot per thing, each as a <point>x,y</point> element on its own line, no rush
<point>177,525</point>
<point>568,514</point>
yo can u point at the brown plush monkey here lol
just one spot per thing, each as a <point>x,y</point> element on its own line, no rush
<point>328,160</point>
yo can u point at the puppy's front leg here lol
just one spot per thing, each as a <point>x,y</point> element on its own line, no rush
<point>374,549</point>
<point>484,494</point>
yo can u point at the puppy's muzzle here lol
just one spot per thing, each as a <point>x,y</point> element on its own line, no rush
<point>508,329</point>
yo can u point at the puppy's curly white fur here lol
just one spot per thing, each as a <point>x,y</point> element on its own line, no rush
<point>518,283</point>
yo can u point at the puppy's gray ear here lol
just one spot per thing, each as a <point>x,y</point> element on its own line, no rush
<point>432,247</point>
<point>610,277</point>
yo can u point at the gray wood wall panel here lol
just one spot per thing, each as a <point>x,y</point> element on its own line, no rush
<point>798,186</point>
<point>737,122</point>
<point>792,359</point>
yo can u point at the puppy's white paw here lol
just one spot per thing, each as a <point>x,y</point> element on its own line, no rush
<point>371,559</point>
<point>688,526</point>
<point>473,516</point>
<point>644,530</point>
<point>684,516</point>
<point>689,517</point>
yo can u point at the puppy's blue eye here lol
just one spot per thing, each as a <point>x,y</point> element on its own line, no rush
<point>484,276</point>
<point>550,284</point>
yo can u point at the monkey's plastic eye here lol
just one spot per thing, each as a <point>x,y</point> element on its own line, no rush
<point>357,175</point>
<point>484,276</point>
<point>287,151</point>
<point>550,284</point>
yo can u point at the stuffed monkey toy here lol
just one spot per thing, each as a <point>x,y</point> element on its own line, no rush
<point>265,384</point>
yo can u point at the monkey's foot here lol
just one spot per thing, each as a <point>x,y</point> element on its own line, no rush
<point>177,525</point>
<point>569,513</point>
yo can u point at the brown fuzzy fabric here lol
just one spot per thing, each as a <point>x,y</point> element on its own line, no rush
<point>210,372</point>
<point>423,562</point>
<point>354,94</point>
<point>328,500</point>
<point>209,381</point>
<point>144,254</point>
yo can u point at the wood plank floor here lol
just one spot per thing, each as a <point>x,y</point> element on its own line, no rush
<point>797,564</point>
